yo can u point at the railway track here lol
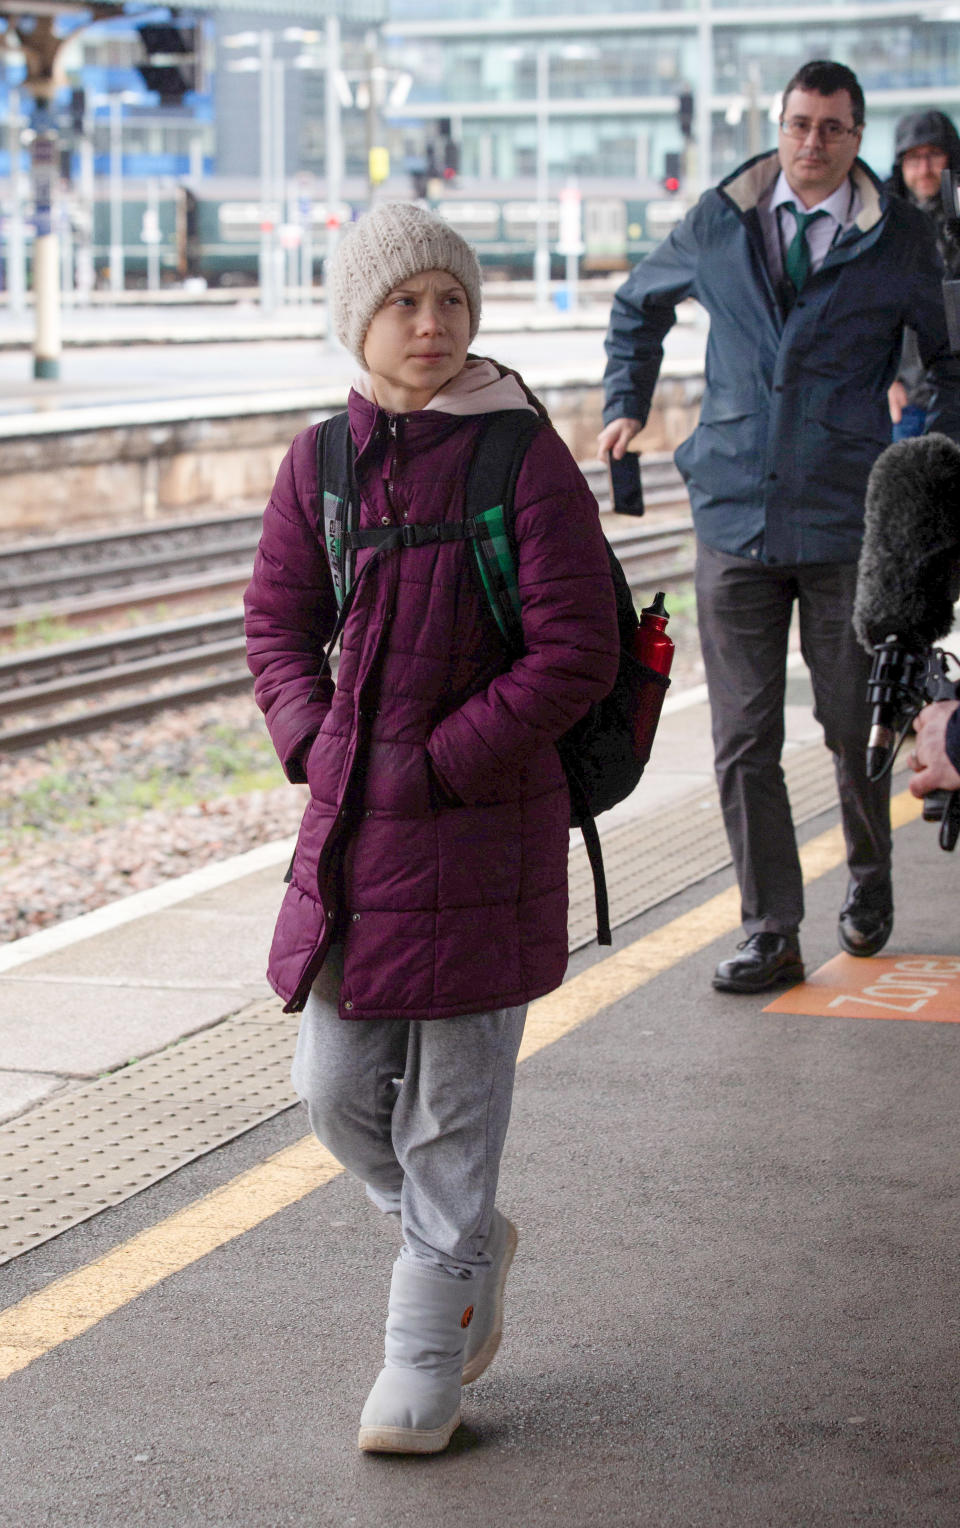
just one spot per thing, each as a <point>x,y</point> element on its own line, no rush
<point>82,579</point>
<point>83,686</point>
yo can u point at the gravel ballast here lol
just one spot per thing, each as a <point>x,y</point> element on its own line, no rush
<point>90,819</point>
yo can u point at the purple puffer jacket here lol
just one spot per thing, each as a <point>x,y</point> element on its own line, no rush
<point>435,841</point>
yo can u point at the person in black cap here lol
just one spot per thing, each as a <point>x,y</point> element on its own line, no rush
<point>926,144</point>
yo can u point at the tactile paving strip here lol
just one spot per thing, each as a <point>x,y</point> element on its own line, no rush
<point>70,1158</point>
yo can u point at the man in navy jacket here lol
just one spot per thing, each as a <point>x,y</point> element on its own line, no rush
<point>809,274</point>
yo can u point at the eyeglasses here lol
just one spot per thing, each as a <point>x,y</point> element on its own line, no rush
<point>926,156</point>
<point>830,131</point>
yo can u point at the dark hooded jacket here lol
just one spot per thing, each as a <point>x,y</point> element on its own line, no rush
<point>795,411</point>
<point>913,131</point>
<point>435,841</point>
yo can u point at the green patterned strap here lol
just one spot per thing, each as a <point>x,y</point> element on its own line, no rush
<point>493,550</point>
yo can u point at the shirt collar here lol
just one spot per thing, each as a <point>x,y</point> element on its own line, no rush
<point>837,204</point>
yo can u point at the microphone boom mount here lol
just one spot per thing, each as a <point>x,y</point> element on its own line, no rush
<point>902,681</point>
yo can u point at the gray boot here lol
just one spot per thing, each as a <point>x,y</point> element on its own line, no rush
<point>486,1328</point>
<point>414,1406</point>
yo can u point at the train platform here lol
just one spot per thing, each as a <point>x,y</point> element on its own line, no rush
<point>735,1297</point>
<point>242,318</point>
<point>141,365</point>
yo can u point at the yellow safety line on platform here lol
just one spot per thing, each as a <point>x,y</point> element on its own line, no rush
<point>78,1301</point>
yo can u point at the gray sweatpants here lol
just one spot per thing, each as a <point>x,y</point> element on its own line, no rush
<point>418,1110</point>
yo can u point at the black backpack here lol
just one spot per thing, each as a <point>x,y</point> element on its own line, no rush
<point>599,753</point>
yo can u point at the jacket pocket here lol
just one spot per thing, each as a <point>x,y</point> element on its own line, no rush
<point>861,417</point>
<point>322,766</point>
<point>723,458</point>
<point>843,438</point>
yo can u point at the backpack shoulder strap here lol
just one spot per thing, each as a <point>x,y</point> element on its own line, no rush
<point>338,503</point>
<point>489,504</point>
<point>491,487</point>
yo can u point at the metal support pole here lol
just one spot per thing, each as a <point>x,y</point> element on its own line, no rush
<point>267,213</point>
<point>46,289</point>
<point>573,283</point>
<point>66,252</point>
<point>46,245</point>
<point>44,154</point>
<point>85,272</point>
<point>370,58</point>
<point>278,178</point>
<point>292,251</point>
<point>117,281</point>
<point>152,232</point>
<point>305,210</point>
<point>541,259</point>
<point>334,136</point>
<point>16,258</point>
<point>754,124</point>
<point>704,141</point>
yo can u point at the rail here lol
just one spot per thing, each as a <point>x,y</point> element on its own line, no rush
<point>135,673</point>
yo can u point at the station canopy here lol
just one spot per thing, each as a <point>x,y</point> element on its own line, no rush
<point>365,12</point>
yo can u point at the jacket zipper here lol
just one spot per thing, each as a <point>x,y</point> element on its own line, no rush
<point>393,428</point>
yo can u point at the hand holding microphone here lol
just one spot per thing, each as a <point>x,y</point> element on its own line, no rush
<point>935,778</point>
<point>929,760</point>
<point>907,582</point>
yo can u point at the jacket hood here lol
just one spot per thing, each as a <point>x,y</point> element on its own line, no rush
<point>746,186</point>
<point>920,127</point>
<point>482,387</point>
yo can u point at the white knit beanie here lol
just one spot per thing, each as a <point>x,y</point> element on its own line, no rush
<point>380,251</point>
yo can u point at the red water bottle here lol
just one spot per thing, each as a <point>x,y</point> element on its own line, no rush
<point>653,648</point>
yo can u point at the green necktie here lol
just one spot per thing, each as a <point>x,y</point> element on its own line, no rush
<point>797,261</point>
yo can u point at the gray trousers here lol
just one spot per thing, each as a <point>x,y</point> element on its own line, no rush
<point>418,1110</point>
<point>744,610</point>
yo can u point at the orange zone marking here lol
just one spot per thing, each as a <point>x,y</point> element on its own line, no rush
<point>924,987</point>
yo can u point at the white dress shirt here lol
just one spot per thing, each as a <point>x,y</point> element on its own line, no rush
<point>779,224</point>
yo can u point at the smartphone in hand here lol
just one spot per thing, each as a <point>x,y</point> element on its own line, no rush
<point>626,493</point>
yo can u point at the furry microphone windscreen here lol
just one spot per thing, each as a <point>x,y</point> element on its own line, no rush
<point>907,577</point>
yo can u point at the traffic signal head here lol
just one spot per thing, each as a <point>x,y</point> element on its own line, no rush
<point>671,172</point>
<point>172,64</point>
<point>162,37</point>
<point>78,110</point>
<point>685,113</point>
<point>448,153</point>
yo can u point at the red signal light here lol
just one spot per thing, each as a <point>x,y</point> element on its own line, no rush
<point>671,183</point>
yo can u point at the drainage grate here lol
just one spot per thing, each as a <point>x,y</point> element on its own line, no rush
<point>70,1158</point>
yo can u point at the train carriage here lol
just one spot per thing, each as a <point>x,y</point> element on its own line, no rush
<point>211,229</point>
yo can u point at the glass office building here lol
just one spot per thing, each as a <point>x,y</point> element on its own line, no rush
<point>503,78</point>
<point>608,82</point>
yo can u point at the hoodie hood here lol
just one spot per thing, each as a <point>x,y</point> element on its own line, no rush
<point>917,129</point>
<point>482,387</point>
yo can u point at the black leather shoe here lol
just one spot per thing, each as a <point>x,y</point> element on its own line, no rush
<point>866,919</point>
<point>768,960</point>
